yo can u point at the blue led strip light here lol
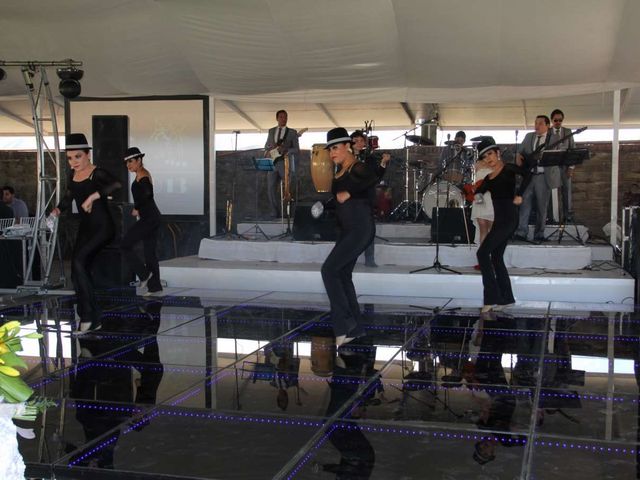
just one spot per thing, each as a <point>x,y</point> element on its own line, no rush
<point>350,425</point>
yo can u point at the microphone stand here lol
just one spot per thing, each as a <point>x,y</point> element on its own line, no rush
<point>437,266</point>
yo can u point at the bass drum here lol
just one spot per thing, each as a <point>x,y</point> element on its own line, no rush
<point>444,194</point>
<point>321,168</point>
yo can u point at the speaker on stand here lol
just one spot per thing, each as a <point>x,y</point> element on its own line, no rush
<point>110,135</point>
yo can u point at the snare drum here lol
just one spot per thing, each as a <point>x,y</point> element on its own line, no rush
<point>444,194</point>
<point>322,168</point>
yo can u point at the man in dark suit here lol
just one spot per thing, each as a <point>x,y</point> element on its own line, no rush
<point>281,140</point>
<point>559,132</point>
<point>543,179</point>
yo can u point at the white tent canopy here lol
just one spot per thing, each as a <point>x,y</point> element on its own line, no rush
<point>494,62</point>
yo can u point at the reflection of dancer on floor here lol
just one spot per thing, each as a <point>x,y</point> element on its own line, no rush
<point>89,186</point>
<point>146,228</point>
<point>501,182</point>
<point>354,211</point>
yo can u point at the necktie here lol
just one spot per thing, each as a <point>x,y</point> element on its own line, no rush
<point>557,132</point>
<point>279,133</point>
<point>537,143</point>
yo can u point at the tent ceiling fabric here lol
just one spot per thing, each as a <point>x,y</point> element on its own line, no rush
<point>461,54</point>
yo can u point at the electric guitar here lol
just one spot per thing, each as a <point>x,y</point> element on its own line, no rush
<point>531,159</point>
<point>275,154</point>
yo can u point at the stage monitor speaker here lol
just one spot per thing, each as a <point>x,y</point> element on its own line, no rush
<point>451,225</point>
<point>110,141</point>
<point>305,227</point>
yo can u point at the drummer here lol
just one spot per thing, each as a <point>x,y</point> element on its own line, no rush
<point>363,154</point>
<point>456,160</point>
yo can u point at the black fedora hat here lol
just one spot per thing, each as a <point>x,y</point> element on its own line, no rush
<point>133,152</point>
<point>337,135</point>
<point>487,143</point>
<point>76,141</point>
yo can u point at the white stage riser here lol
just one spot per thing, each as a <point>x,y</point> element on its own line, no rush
<point>398,230</point>
<point>534,288</point>
<point>549,256</point>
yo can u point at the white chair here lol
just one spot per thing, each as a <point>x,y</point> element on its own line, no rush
<point>5,223</point>
<point>31,221</point>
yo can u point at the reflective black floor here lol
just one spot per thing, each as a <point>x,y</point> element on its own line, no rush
<point>218,384</point>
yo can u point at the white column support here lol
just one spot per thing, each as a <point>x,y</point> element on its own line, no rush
<point>615,147</point>
<point>212,166</point>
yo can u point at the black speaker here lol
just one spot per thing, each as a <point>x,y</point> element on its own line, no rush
<point>448,225</point>
<point>305,227</point>
<point>110,141</point>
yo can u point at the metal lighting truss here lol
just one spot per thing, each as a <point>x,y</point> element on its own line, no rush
<point>42,238</point>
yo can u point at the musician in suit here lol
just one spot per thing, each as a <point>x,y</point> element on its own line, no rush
<point>285,140</point>
<point>558,132</point>
<point>543,179</point>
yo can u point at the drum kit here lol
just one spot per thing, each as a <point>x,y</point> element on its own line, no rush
<point>426,186</point>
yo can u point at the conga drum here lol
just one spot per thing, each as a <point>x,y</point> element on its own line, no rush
<point>321,168</point>
<point>322,355</point>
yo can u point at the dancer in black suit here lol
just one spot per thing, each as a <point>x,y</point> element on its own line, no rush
<point>146,228</point>
<point>89,186</point>
<point>351,188</point>
<point>501,182</point>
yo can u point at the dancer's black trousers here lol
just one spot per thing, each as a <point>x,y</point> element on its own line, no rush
<point>357,231</point>
<point>145,230</point>
<point>495,277</point>
<point>92,237</point>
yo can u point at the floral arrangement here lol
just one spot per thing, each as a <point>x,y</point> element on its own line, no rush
<point>13,389</point>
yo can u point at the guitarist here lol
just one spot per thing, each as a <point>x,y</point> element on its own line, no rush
<point>280,141</point>
<point>543,179</point>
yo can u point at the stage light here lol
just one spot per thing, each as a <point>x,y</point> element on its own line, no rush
<point>69,81</point>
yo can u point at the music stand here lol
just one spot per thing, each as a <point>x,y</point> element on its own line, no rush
<point>259,165</point>
<point>564,158</point>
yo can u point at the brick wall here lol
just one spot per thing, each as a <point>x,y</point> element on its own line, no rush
<point>591,186</point>
<point>18,169</point>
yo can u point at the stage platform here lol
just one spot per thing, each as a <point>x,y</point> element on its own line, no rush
<point>602,283</point>
<point>407,252</point>
<point>550,271</point>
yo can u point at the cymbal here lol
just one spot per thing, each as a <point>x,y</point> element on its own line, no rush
<point>418,140</point>
<point>477,139</point>
<point>449,143</point>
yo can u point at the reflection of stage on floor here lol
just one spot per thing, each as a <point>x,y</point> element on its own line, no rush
<point>547,272</point>
<point>254,375</point>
